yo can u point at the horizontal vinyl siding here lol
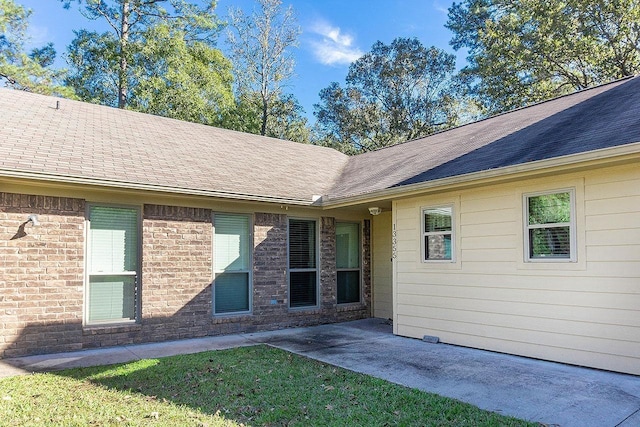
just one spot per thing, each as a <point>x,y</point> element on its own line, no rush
<point>531,310</point>
<point>585,313</point>
<point>612,211</point>
<point>525,280</point>
<point>560,348</point>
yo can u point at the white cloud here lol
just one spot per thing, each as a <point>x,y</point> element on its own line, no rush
<point>333,47</point>
<point>38,36</point>
<point>440,8</point>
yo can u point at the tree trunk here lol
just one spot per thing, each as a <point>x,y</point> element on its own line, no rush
<point>124,38</point>
<point>263,128</point>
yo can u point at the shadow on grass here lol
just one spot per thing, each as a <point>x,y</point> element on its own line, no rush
<point>266,386</point>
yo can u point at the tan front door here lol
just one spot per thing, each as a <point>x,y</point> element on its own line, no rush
<point>382,271</point>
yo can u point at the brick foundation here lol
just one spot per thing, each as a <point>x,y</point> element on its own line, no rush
<point>41,278</point>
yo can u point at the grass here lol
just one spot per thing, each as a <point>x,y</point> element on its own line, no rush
<point>243,386</point>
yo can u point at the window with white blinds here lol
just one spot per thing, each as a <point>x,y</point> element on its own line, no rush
<point>232,263</point>
<point>348,262</point>
<point>437,233</point>
<point>112,264</point>
<point>550,226</point>
<point>303,271</point>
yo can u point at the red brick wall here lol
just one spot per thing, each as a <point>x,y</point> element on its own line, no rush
<point>329,288</point>
<point>270,294</point>
<point>41,274</point>
<point>41,278</point>
<point>366,264</point>
<point>176,272</point>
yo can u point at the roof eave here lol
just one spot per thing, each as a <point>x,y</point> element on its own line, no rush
<point>619,154</point>
<point>122,185</point>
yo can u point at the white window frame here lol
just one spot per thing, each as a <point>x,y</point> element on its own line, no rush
<point>248,271</point>
<point>359,269</point>
<point>571,224</point>
<point>302,270</point>
<point>424,233</point>
<point>88,273</point>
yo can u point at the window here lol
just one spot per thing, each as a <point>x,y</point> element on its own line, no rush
<point>232,264</point>
<point>348,262</point>
<point>303,272</point>
<point>549,233</point>
<point>437,233</point>
<point>112,265</point>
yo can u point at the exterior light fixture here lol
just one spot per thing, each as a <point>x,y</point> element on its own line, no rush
<point>375,210</point>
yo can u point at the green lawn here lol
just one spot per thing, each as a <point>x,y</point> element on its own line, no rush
<point>244,386</point>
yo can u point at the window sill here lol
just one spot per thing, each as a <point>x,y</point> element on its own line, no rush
<point>305,310</point>
<point>549,259</point>
<point>110,328</point>
<point>440,265</point>
<point>231,318</point>
<point>552,264</point>
<point>350,306</point>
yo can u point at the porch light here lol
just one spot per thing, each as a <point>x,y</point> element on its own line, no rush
<point>374,210</point>
<point>33,219</point>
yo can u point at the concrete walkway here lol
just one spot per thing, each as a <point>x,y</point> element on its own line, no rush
<point>550,393</point>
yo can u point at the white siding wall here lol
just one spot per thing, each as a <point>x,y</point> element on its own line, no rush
<point>585,313</point>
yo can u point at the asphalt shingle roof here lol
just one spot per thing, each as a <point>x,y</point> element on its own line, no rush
<point>601,117</point>
<point>102,143</point>
<point>123,148</point>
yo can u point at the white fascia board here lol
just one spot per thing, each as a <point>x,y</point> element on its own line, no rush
<point>123,185</point>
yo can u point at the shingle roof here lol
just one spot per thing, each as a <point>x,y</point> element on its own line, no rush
<point>112,147</point>
<point>601,117</point>
<point>89,141</point>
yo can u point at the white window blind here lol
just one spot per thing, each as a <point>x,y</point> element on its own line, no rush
<point>438,233</point>
<point>231,242</point>
<point>112,264</point>
<point>549,219</point>
<point>114,239</point>
<point>232,263</point>
<point>112,298</point>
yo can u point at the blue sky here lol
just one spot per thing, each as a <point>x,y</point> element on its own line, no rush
<point>334,33</point>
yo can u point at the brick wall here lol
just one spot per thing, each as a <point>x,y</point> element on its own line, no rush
<point>270,294</point>
<point>41,274</point>
<point>328,290</point>
<point>41,278</point>
<point>366,264</point>
<point>176,272</point>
